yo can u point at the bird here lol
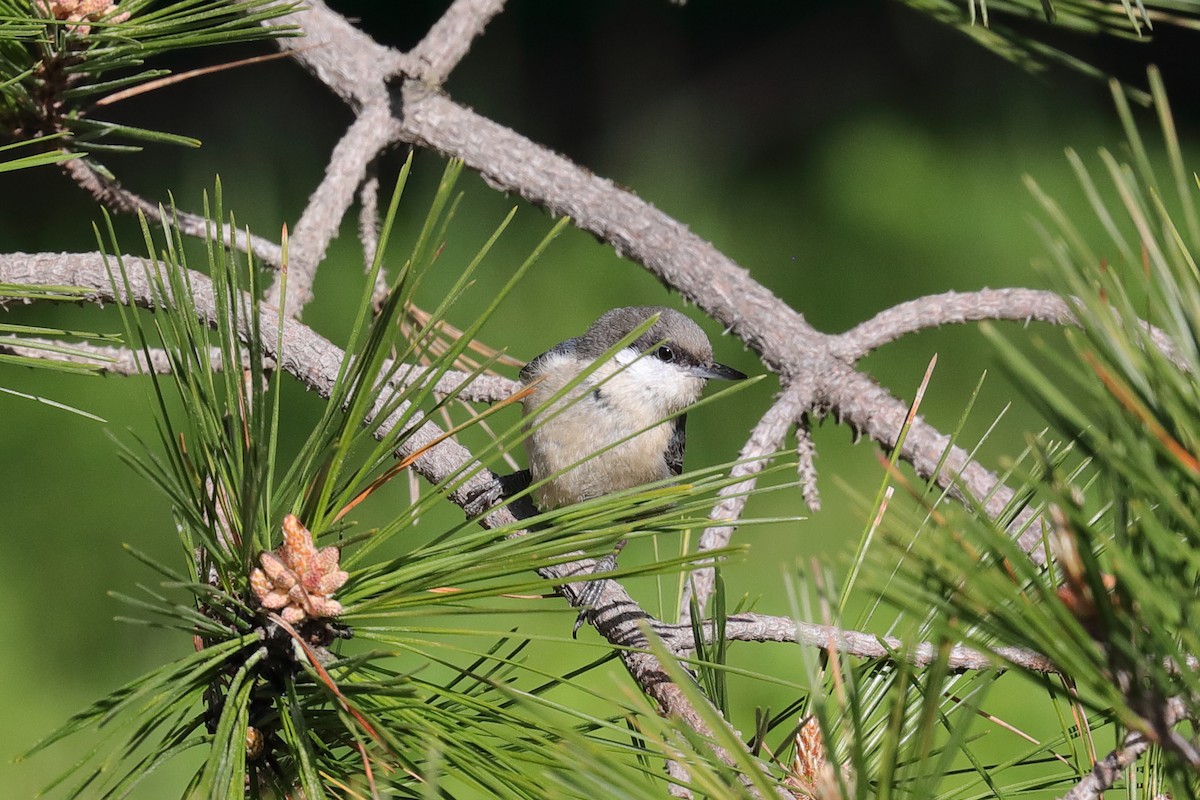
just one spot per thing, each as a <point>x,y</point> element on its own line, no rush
<point>636,391</point>
<point>618,425</point>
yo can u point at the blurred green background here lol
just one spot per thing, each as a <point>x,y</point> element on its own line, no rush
<point>852,155</point>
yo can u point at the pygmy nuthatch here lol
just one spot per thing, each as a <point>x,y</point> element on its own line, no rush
<point>659,374</point>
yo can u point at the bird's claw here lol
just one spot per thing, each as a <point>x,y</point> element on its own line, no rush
<point>591,592</point>
<point>482,499</point>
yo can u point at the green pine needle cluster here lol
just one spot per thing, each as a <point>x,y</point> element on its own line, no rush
<point>60,60</point>
<point>410,691</point>
<point>1004,26</point>
<point>1111,600</point>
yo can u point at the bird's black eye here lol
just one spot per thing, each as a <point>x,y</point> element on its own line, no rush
<point>665,353</point>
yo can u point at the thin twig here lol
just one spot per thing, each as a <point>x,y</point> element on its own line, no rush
<point>933,311</point>
<point>1107,770</point>
<point>949,308</point>
<point>806,464</point>
<point>768,628</point>
<point>370,133</point>
<point>450,38</point>
<point>123,361</point>
<point>109,193</point>
<point>766,438</point>
<point>106,359</point>
<point>368,232</point>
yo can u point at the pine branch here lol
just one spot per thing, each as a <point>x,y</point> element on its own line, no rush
<point>450,38</point>
<point>106,360</point>
<point>768,628</point>
<point>766,438</point>
<point>359,70</point>
<point>956,308</point>
<point>782,337</point>
<point>934,311</point>
<point>116,198</point>
<point>372,131</point>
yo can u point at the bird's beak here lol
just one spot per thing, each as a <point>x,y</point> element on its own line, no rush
<point>718,372</point>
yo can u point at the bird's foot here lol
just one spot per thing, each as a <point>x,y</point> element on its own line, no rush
<point>487,496</point>
<point>590,594</point>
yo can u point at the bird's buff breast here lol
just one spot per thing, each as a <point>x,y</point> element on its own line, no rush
<point>585,424</point>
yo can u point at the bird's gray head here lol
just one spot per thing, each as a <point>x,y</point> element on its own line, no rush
<point>673,339</point>
<point>658,374</point>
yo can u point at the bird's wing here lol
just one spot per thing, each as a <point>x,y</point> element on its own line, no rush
<point>678,440</point>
